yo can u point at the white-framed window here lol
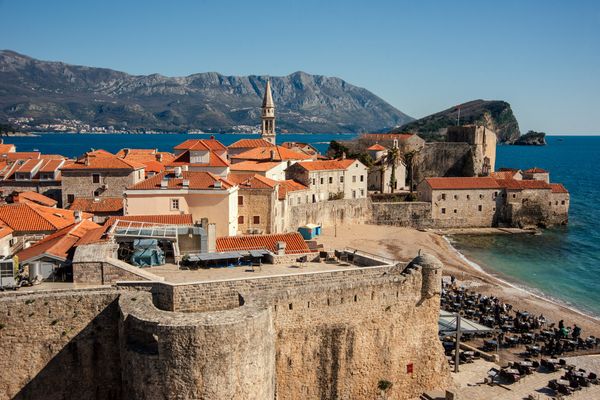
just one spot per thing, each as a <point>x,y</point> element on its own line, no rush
<point>174,204</point>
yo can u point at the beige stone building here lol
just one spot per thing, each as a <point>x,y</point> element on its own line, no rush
<point>331,179</point>
<point>202,194</point>
<point>483,143</point>
<point>380,172</point>
<point>257,204</point>
<point>99,174</point>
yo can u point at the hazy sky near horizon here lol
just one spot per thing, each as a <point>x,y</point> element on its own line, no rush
<point>543,57</point>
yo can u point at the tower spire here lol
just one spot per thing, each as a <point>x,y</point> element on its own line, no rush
<point>268,115</point>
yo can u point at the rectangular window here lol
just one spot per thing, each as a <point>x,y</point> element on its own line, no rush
<point>70,198</point>
<point>241,219</point>
<point>240,200</point>
<point>362,178</point>
<point>174,204</point>
<point>455,197</point>
<point>443,211</point>
<point>314,181</point>
<point>354,194</point>
<point>95,178</point>
<point>455,211</point>
<point>321,181</point>
<point>443,196</point>
<point>480,207</point>
<point>562,202</point>
<point>341,178</point>
<point>256,219</point>
<point>468,197</point>
<point>362,193</point>
<point>330,180</point>
<point>353,178</point>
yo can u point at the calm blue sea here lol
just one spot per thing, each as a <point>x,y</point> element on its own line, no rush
<point>563,263</point>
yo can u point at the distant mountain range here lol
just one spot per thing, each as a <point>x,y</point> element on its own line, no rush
<point>494,114</point>
<point>51,91</point>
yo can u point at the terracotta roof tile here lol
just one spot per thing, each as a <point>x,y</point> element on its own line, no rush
<point>168,219</point>
<point>326,165</point>
<point>98,205</point>
<point>504,174</point>
<point>558,188</point>
<point>200,144</point>
<point>102,163</point>
<point>461,183</point>
<point>5,230</point>
<point>29,217</point>
<point>21,155</point>
<point>250,143</point>
<point>294,243</point>
<point>7,148</point>
<point>214,160</point>
<point>51,165</point>
<point>288,186</point>
<point>273,153</point>
<point>60,243</point>
<point>197,180</point>
<point>37,198</point>
<point>252,181</point>
<point>536,170</point>
<point>29,165</point>
<point>255,165</point>
<point>514,184</point>
<point>376,147</point>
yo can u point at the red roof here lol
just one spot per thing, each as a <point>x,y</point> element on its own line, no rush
<point>29,217</point>
<point>60,243</point>
<point>5,230</point>
<point>376,147</point>
<point>197,180</point>
<point>201,144</point>
<point>288,186</point>
<point>462,183</point>
<point>34,197</point>
<point>7,148</point>
<point>252,181</point>
<point>250,144</point>
<point>514,184</point>
<point>255,165</point>
<point>102,162</point>
<point>22,155</point>
<point>536,170</point>
<point>325,165</point>
<point>98,205</point>
<point>273,153</point>
<point>294,243</point>
<point>214,160</point>
<point>504,174</point>
<point>558,188</point>
<point>167,219</point>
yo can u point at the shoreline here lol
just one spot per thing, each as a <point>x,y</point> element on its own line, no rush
<point>518,285</point>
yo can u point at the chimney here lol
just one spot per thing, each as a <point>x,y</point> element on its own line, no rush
<point>280,247</point>
<point>212,137</point>
<point>77,215</point>
<point>127,152</point>
<point>212,237</point>
<point>343,155</point>
<point>272,155</point>
<point>186,183</point>
<point>87,160</point>
<point>159,157</point>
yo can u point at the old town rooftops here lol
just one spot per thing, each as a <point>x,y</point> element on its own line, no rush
<point>192,180</point>
<point>102,162</point>
<point>97,204</point>
<point>295,244</point>
<point>165,219</point>
<point>29,217</point>
<point>59,244</point>
<point>273,153</point>
<point>326,165</point>
<point>558,188</point>
<point>201,144</point>
<point>214,160</point>
<point>34,197</point>
<point>255,165</point>
<point>462,183</point>
<point>513,184</point>
<point>289,186</point>
<point>250,143</point>
<point>252,181</point>
<point>535,170</point>
<point>376,147</point>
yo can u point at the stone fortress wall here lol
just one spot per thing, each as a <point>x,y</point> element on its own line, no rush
<point>328,335</point>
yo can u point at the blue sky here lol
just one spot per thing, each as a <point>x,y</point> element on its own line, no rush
<point>421,56</point>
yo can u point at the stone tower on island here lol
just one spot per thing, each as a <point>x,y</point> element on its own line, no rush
<point>268,116</point>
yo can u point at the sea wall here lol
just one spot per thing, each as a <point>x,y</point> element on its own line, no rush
<point>332,212</point>
<point>60,345</point>
<point>410,214</point>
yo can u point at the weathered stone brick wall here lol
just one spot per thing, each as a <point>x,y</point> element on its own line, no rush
<point>357,211</point>
<point>80,184</point>
<point>257,202</point>
<point>410,214</point>
<point>60,345</point>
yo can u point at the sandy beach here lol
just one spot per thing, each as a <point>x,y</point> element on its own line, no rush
<point>404,244</point>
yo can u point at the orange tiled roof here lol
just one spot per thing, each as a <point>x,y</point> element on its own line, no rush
<point>201,144</point>
<point>52,157</point>
<point>461,183</point>
<point>197,180</point>
<point>102,162</point>
<point>37,198</point>
<point>514,184</point>
<point>504,174</point>
<point>255,165</point>
<point>294,243</point>
<point>326,165</point>
<point>288,186</point>
<point>168,219</point>
<point>60,243</point>
<point>99,153</point>
<point>214,160</point>
<point>252,181</point>
<point>558,188</point>
<point>146,156</point>
<point>7,148</point>
<point>29,165</point>
<point>22,155</point>
<point>51,165</point>
<point>5,230</point>
<point>99,205</point>
<point>376,147</point>
<point>29,217</point>
<point>277,153</point>
<point>536,170</point>
<point>250,144</point>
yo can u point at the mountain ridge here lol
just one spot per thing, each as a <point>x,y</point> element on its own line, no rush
<point>208,101</point>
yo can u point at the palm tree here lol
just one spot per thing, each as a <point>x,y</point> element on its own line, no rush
<point>391,160</point>
<point>409,156</point>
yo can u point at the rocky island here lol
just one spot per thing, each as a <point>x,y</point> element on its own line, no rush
<point>532,138</point>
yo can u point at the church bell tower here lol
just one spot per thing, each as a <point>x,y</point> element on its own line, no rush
<point>268,116</point>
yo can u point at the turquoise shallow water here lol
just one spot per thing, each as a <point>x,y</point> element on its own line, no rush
<point>563,263</point>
